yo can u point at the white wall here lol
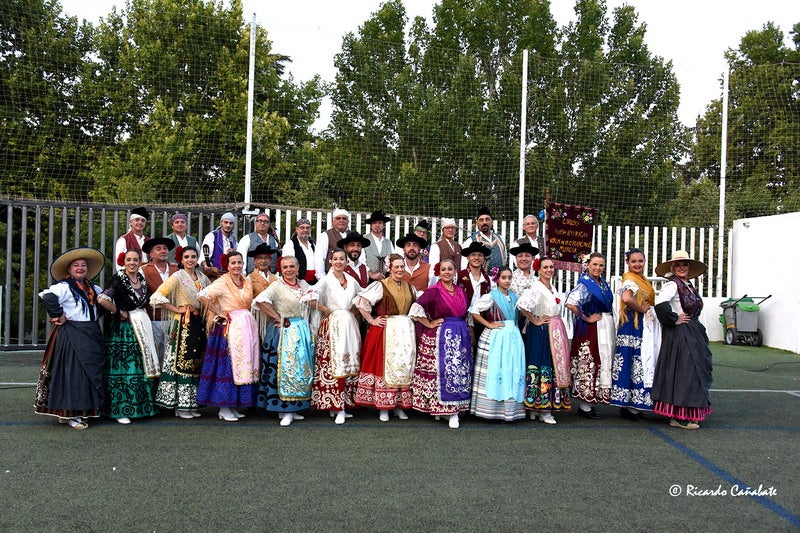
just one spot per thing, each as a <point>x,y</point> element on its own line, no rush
<point>766,260</point>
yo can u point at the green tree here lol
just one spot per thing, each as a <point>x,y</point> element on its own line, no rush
<point>440,106</point>
<point>171,77</point>
<point>763,150</point>
<point>43,139</point>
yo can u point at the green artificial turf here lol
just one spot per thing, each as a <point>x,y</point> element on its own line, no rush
<point>166,474</point>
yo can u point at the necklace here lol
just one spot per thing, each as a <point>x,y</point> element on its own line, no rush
<point>240,284</point>
<point>294,285</point>
<point>451,291</point>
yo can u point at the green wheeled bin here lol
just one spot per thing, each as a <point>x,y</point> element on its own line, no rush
<point>739,320</point>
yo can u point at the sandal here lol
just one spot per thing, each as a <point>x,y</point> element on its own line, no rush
<point>684,424</point>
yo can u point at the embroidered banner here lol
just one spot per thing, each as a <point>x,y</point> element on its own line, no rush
<point>569,234</point>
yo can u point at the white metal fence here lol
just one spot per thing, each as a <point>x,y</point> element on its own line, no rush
<point>36,233</point>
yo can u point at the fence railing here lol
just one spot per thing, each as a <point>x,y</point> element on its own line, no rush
<point>36,233</point>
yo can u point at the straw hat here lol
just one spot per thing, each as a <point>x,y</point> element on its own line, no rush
<point>696,268</point>
<point>94,261</point>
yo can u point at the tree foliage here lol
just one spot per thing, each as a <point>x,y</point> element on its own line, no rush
<point>43,134</point>
<point>763,156</point>
<point>602,110</point>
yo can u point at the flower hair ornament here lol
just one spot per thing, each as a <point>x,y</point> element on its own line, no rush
<point>178,253</point>
<point>584,260</point>
<point>535,265</point>
<point>121,259</point>
<point>493,274</point>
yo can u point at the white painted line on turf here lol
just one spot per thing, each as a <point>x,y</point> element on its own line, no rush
<point>11,383</point>
<point>791,392</point>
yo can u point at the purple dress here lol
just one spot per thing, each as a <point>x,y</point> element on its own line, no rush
<point>442,379</point>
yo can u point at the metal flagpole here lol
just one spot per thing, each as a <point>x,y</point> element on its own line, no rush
<point>722,174</point>
<point>249,150</point>
<point>523,125</point>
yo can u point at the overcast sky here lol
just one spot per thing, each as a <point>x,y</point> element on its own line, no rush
<point>693,34</point>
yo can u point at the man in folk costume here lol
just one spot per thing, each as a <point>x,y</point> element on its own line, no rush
<point>474,281</point>
<point>326,241</point>
<point>156,272</point>
<point>179,236</point>
<point>446,247</point>
<point>485,235</point>
<point>353,245</point>
<point>218,244</point>
<point>379,246</point>
<point>302,247</point>
<point>135,238</point>
<point>530,225</point>
<point>261,278</point>
<point>423,229</point>
<point>261,235</point>
<point>417,273</point>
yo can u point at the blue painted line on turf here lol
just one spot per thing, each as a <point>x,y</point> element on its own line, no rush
<point>730,478</point>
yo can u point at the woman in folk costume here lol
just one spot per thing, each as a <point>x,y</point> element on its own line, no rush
<point>499,382</point>
<point>338,346</point>
<point>71,376</point>
<point>593,341</point>
<point>229,373</point>
<point>683,371</point>
<point>442,379</point>
<point>131,357</point>
<point>287,352</point>
<point>185,337</point>
<point>638,341</point>
<point>547,377</point>
<point>390,348</point>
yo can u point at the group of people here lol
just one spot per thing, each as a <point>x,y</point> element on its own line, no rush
<point>347,321</point>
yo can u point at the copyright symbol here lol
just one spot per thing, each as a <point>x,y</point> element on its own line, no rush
<point>675,490</point>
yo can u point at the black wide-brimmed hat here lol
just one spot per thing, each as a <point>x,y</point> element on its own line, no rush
<point>353,236</point>
<point>150,243</point>
<point>262,249</point>
<point>378,216</point>
<point>522,248</point>
<point>475,246</point>
<point>94,262</point>
<point>412,237</point>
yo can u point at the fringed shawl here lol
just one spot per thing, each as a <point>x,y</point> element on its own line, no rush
<point>645,293</point>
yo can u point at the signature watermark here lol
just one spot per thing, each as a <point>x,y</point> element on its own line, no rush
<point>731,491</point>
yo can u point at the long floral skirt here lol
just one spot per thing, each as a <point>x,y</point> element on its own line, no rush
<point>129,392</point>
<point>627,372</point>
<point>329,393</point>
<point>443,372</point>
<point>216,386</point>
<point>541,391</point>
<point>372,389</point>
<point>270,396</point>
<point>183,361</point>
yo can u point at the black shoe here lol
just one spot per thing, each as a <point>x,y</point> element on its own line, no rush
<point>592,414</point>
<point>627,415</point>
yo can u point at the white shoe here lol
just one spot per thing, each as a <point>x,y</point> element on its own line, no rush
<point>296,416</point>
<point>227,415</point>
<point>286,419</point>
<point>183,413</point>
<point>124,420</point>
<point>194,413</point>
<point>237,414</point>
<point>453,423</point>
<point>400,413</point>
<point>340,417</point>
<point>547,418</point>
<point>384,416</point>
<point>77,423</point>
<point>533,415</point>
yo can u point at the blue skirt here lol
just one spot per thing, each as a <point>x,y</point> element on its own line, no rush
<point>216,385</point>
